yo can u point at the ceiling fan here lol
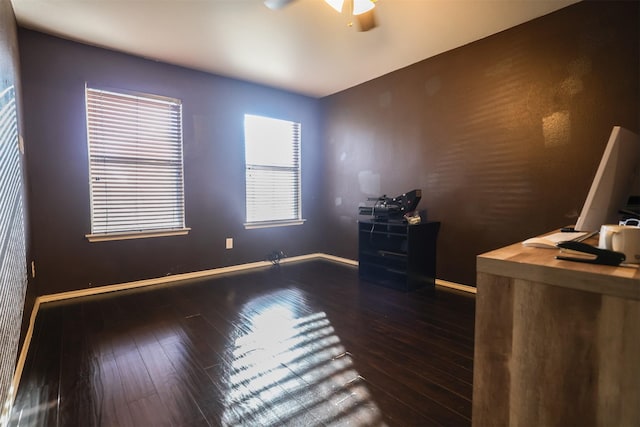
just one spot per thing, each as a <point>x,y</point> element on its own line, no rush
<point>361,10</point>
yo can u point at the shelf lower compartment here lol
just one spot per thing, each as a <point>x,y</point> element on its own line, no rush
<point>392,277</point>
<point>398,255</point>
<point>382,254</point>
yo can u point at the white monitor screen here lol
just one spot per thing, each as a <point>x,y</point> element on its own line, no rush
<point>614,181</point>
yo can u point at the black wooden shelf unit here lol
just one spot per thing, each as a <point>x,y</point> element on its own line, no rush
<point>397,254</point>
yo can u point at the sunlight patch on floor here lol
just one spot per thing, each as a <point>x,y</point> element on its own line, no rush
<point>293,365</point>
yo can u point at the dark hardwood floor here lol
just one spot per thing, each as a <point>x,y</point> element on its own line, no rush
<point>302,344</point>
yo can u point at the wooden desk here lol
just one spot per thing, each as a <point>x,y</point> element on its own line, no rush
<point>557,343</point>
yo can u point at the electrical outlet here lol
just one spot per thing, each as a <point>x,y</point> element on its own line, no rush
<point>229,243</point>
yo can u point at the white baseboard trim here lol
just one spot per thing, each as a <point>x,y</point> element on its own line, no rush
<point>338,259</point>
<point>456,286</point>
<point>213,272</point>
<point>161,281</point>
<point>17,373</point>
<point>169,279</point>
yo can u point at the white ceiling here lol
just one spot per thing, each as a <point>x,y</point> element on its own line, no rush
<point>307,47</point>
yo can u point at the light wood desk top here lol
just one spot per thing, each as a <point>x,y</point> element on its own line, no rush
<point>539,265</point>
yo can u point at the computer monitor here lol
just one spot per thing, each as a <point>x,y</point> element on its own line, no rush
<point>614,181</point>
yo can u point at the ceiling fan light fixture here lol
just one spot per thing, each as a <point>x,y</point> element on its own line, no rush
<point>362,6</point>
<point>276,4</point>
<point>336,4</point>
<point>361,10</point>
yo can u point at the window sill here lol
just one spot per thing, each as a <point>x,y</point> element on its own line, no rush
<point>268,224</point>
<point>105,237</point>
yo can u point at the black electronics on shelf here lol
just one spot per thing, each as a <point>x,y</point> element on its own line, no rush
<point>391,208</point>
<point>398,254</point>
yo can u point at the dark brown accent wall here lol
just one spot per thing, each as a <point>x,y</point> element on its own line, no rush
<point>503,135</point>
<point>54,73</point>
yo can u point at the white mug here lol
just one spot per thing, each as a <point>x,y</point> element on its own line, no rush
<point>606,233</point>
<point>630,221</point>
<point>621,238</point>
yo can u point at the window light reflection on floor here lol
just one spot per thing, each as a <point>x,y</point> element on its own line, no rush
<point>291,366</point>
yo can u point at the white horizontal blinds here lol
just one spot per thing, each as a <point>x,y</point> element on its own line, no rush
<point>13,272</point>
<point>135,160</point>
<point>272,156</point>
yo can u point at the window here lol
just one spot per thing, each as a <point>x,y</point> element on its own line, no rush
<point>272,159</point>
<point>135,165</point>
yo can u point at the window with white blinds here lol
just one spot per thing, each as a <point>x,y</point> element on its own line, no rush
<point>135,164</point>
<point>272,160</point>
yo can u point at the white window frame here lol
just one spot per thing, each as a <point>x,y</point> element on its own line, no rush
<point>136,165</point>
<point>270,170</point>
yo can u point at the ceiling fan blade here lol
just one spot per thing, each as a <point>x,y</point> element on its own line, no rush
<point>277,4</point>
<point>366,21</point>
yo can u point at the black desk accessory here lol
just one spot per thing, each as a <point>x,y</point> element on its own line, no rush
<point>603,256</point>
